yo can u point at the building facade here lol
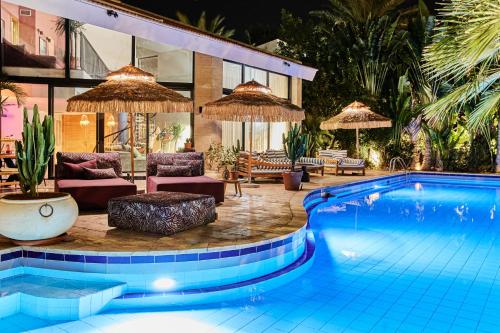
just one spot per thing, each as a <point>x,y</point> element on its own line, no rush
<point>55,49</point>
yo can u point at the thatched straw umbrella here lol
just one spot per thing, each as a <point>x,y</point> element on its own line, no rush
<point>130,90</point>
<point>253,102</point>
<point>356,116</point>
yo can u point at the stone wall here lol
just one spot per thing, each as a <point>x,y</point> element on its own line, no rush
<point>207,88</point>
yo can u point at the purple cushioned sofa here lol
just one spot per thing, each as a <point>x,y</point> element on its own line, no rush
<point>195,184</point>
<point>92,194</point>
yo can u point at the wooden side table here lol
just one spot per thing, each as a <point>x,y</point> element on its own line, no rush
<point>237,185</point>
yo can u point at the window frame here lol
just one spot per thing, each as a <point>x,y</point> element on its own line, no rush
<point>68,81</point>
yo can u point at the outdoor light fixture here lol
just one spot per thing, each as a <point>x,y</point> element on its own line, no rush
<point>111,12</point>
<point>111,121</point>
<point>84,121</point>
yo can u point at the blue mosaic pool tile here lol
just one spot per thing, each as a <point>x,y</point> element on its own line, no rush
<point>209,256</point>
<point>263,247</point>
<point>35,255</point>
<point>96,259</point>
<point>54,256</point>
<point>142,259</point>
<point>134,295</point>
<point>230,253</point>
<point>119,260</point>
<point>186,257</point>
<point>74,257</point>
<point>165,258</point>
<point>11,255</point>
<point>248,250</point>
<point>277,244</point>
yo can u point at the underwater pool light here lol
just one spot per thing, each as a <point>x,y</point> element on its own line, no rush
<point>164,284</point>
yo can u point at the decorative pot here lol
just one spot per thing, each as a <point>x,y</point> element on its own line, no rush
<point>234,174</point>
<point>26,219</point>
<point>292,180</point>
<point>225,173</point>
<point>188,145</point>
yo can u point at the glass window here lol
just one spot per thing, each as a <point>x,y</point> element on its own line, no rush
<point>255,74</point>
<point>12,119</point>
<point>279,86</point>
<point>168,131</point>
<point>74,132</point>
<point>33,42</point>
<point>231,75</point>
<point>231,133</point>
<point>168,63</point>
<point>96,51</point>
<point>260,136</point>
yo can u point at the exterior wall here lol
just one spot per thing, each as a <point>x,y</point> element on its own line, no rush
<point>207,88</point>
<point>296,91</point>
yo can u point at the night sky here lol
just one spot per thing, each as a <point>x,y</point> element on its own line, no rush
<point>260,17</point>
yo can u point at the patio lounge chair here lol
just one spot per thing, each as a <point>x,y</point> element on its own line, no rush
<point>352,164</point>
<point>91,194</point>
<point>197,184</point>
<point>331,157</point>
<point>262,168</point>
<point>311,163</point>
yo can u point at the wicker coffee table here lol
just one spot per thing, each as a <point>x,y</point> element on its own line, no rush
<point>161,212</point>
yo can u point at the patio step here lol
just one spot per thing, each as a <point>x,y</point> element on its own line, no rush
<point>54,298</point>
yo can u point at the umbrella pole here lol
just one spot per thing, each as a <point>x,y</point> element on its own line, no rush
<point>251,155</point>
<point>131,118</point>
<point>249,182</point>
<point>357,142</point>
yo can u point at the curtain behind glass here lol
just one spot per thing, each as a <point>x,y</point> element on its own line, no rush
<point>279,86</point>
<point>255,74</point>
<point>231,133</point>
<point>231,75</point>
<point>260,136</point>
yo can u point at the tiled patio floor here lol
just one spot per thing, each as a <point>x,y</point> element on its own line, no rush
<point>262,213</point>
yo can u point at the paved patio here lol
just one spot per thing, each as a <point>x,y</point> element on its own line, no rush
<point>261,213</point>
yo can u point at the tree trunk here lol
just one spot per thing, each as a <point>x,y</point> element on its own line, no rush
<point>426,162</point>
<point>497,159</point>
<point>415,158</point>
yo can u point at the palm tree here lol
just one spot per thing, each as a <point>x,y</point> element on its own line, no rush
<point>216,25</point>
<point>361,11</point>
<point>16,90</point>
<point>466,55</point>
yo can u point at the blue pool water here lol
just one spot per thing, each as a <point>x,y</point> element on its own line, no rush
<point>416,254</point>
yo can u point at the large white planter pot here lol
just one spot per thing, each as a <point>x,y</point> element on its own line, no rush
<point>38,219</point>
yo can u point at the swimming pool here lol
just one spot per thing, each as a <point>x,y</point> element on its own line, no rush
<point>409,253</point>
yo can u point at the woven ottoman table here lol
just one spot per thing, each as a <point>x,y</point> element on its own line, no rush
<point>161,212</point>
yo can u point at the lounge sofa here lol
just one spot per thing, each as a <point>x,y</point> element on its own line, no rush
<point>91,194</point>
<point>197,184</point>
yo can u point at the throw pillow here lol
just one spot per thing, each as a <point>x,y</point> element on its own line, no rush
<point>76,170</point>
<point>173,171</point>
<point>99,173</point>
<point>195,165</point>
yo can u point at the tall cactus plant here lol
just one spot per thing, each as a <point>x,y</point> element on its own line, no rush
<point>295,144</point>
<point>34,152</point>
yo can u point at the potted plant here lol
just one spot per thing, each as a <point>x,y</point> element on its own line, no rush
<point>33,217</point>
<point>235,153</point>
<point>295,147</point>
<point>188,144</point>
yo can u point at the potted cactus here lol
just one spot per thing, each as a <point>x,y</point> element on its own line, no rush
<point>33,217</point>
<point>295,147</point>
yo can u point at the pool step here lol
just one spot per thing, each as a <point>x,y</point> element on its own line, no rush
<point>55,298</point>
<point>243,289</point>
